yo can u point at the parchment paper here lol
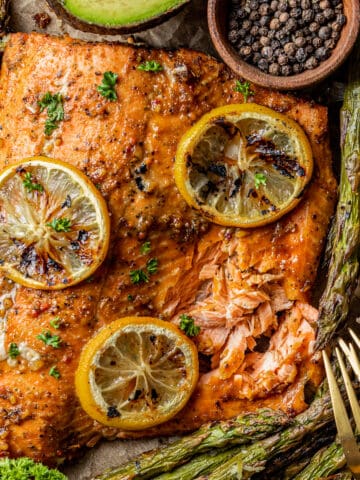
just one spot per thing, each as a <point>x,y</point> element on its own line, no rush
<point>186,29</point>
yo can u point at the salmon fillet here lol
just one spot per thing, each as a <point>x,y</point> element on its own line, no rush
<point>249,291</point>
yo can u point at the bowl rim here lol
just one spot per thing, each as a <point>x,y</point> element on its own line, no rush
<point>305,79</point>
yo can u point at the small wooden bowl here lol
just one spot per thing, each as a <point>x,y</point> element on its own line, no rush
<point>217,20</point>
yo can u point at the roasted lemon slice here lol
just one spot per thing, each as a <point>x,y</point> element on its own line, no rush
<point>243,165</point>
<point>136,372</point>
<point>54,223</point>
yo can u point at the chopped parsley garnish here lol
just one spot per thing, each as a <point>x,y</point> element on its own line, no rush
<point>55,111</point>
<point>60,224</point>
<point>260,179</point>
<point>150,66</point>
<point>130,298</point>
<point>13,350</point>
<point>138,276</point>
<point>107,87</point>
<point>145,248</point>
<point>54,372</point>
<point>244,88</point>
<point>29,185</point>
<point>187,324</point>
<point>152,266</point>
<point>23,467</point>
<point>49,339</point>
<point>55,322</point>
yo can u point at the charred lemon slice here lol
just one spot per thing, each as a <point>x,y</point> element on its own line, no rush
<point>243,165</point>
<point>136,372</point>
<point>54,223</point>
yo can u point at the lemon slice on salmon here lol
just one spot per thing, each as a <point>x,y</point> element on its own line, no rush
<point>137,372</point>
<point>55,226</point>
<point>243,165</point>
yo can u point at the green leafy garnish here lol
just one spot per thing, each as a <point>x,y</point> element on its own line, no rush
<point>55,322</point>
<point>29,185</point>
<point>60,224</point>
<point>130,298</point>
<point>55,111</point>
<point>13,350</point>
<point>145,248</point>
<point>54,372</point>
<point>150,66</point>
<point>107,87</point>
<point>187,324</point>
<point>49,339</point>
<point>260,179</point>
<point>138,276</point>
<point>152,266</point>
<point>244,88</point>
<point>25,469</point>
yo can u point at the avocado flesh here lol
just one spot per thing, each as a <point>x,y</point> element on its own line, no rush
<point>119,12</point>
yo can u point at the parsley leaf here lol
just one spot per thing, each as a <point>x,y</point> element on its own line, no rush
<point>260,179</point>
<point>107,87</point>
<point>49,339</point>
<point>60,224</point>
<point>55,111</point>
<point>244,88</point>
<point>54,372</point>
<point>55,322</point>
<point>13,350</point>
<point>145,248</point>
<point>29,185</point>
<point>23,467</point>
<point>150,66</point>
<point>152,266</point>
<point>138,276</point>
<point>187,324</point>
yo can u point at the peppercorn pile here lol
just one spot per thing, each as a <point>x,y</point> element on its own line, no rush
<point>285,37</point>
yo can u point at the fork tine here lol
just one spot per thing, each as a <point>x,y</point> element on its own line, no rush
<point>351,356</point>
<point>355,337</point>
<point>349,390</point>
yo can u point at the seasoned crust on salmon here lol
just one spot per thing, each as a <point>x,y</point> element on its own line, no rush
<point>249,291</point>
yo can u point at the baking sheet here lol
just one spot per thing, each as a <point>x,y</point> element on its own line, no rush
<point>187,29</point>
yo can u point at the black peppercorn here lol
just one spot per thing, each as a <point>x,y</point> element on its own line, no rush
<point>284,17</point>
<point>291,25</point>
<point>267,52</point>
<point>324,4</point>
<point>293,3</point>
<point>245,51</point>
<point>254,16</point>
<point>300,42</point>
<point>330,44</point>
<point>253,4</point>
<point>300,55</point>
<point>264,20</point>
<point>274,69</point>
<point>309,49</point>
<point>249,40</point>
<point>308,15</point>
<point>242,33</point>
<point>290,49</point>
<point>278,52</point>
<point>283,59</point>
<point>329,14</point>
<point>298,68</point>
<point>274,5</point>
<point>305,4</point>
<point>325,33</point>
<point>286,70</point>
<point>254,30</point>
<point>283,5</point>
<point>311,63</point>
<point>295,12</point>
<point>275,24</point>
<point>256,46</point>
<point>240,14</point>
<point>263,64</point>
<point>264,9</point>
<point>341,19</point>
<point>317,42</point>
<point>275,44</point>
<point>256,57</point>
<point>320,18</point>
<point>321,54</point>
<point>246,25</point>
<point>263,31</point>
<point>335,35</point>
<point>233,36</point>
<point>265,41</point>
<point>314,27</point>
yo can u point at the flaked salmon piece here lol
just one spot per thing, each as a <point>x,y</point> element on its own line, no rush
<point>127,149</point>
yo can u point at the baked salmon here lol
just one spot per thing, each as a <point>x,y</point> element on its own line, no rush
<point>249,291</point>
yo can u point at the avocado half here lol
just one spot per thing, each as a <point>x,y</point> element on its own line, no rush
<point>112,17</point>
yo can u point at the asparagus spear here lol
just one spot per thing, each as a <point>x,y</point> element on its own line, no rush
<point>252,459</point>
<point>345,235</point>
<point>344,475</point>
<point>201,465</point>
<point>240,430</point>
<point>324,463</point>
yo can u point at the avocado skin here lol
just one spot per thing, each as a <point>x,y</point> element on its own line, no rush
<point>84,26</point>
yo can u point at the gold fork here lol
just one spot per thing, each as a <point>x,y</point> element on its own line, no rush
<point>343,425</point>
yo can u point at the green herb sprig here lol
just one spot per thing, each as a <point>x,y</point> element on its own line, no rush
<point>145,248</point>
<point>150,66</point>
<point>54,372</point>
<point>29,185</point>
<point>244,89</point>
<point>13,350</point>
<point>107,87</point>
<point>55,110</point>
<point>138,276</point>
<point>152,266</point>
<point>259,179</point>
<point>60,224</point>
<point>49,339</point>
<point>187,324</point>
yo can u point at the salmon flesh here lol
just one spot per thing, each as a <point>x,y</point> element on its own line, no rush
<point>248,291</point>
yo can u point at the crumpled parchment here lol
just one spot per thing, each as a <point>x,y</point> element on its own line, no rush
<point>187,29</point>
